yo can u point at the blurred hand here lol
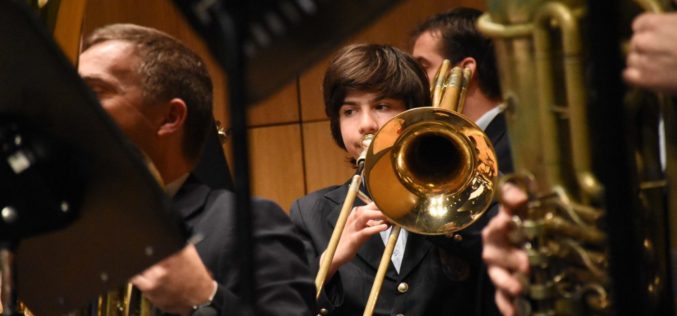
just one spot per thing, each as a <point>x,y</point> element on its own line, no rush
<point>362,223</point>
<point>177,283</point>
<point>652,60</point>
<point>505,262</point>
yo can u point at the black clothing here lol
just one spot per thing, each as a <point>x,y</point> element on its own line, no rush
<point>284,284</point>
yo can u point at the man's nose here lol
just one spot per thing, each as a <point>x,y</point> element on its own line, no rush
<point>368,123</point>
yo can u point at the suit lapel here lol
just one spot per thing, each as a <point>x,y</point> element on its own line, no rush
<point>497,132</point>
<point>190,198</point>
<point>416,249</point>
<point>496,128</point>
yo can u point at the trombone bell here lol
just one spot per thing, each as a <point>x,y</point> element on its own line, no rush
<point>431,171</point>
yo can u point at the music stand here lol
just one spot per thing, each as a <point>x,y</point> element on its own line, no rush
<point>67,162</point>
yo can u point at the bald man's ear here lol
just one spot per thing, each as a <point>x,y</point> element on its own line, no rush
<point>174,117</point>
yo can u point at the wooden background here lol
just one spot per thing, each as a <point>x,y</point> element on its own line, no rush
<point>291,149</point>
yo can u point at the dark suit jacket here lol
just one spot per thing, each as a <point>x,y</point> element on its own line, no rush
<point>440,273</point>
<point>498,134</point>
<point>284,284</point>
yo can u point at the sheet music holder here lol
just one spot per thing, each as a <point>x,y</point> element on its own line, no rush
<point>121,221</point>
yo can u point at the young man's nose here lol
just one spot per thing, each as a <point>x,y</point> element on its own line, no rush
<point>368,123</point>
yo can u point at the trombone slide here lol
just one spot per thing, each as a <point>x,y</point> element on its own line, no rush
<point>381,272</point>
<point>328,256</point>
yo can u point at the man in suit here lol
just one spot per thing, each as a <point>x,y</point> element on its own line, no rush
<point>160,95</point>
<point>452,35</point>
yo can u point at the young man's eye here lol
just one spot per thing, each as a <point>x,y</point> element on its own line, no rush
<point>383,107</point>
<point>347,112</point>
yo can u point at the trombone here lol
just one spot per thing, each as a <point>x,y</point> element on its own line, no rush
<point>441,165</point>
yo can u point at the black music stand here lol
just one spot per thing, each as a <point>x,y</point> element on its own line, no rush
<point>263,44</point>
<point>76,197</point>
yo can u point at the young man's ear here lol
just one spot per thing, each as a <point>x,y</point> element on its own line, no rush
<point>174,117</point>
<point>470,63</point>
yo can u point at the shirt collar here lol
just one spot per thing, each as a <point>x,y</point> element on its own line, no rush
<point>488,116</point>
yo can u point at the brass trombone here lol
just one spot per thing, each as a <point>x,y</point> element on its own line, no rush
<point>441,164</point>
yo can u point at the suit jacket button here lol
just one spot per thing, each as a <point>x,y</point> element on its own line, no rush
<point>403,287</point>
<point>323,312</point>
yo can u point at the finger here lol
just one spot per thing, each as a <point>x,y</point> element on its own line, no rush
<point>632,76</point>
<point>504,280</point>
<point>374,214</point>
<point>371,206</point>
<point>497,230</point>
<point>505,304</point>
<point>366,215</point>
<point>512,196</point>
<point>371,230</point>
<point>141,282</point>
<point>511,258</point>
<point>644,22</point>
<point>638,67</point>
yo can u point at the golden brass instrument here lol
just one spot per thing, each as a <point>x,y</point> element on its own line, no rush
<point>441,166</point>
<point>565,227</point>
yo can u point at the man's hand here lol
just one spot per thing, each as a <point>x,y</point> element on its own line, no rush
<point>505,262</point>
<point>177,283</point>
<point>652,59</point>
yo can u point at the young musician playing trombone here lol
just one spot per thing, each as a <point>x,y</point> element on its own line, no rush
<point>364,86</point>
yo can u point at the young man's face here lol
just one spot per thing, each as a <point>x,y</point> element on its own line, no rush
<point>110,70</point>
<point>364,113</point>
<point>426,52</point>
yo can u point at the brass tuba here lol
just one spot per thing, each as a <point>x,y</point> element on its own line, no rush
<point>594,228</point>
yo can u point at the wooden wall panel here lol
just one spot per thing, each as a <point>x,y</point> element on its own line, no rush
<point>276,163</point>
<point>326,163</point>
<point>310,92</point>
<point>282,107</point>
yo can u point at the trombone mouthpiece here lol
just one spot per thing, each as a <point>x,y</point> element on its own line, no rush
<point>366,141</point>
